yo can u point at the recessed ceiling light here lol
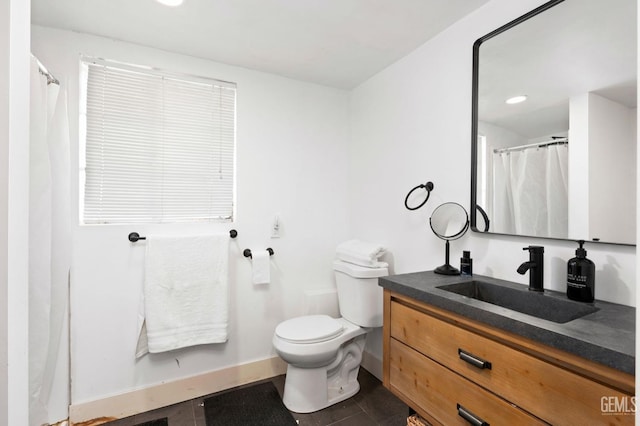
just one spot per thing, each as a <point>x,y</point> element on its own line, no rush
<point>172,3</point>
<point>516,99</point>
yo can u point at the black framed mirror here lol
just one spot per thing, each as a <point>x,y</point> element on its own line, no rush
<point>561,164</point>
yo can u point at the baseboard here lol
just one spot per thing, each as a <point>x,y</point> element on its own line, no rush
<point>158,396</point>
<point>372,364</point>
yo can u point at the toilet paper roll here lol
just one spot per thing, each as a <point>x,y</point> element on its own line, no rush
<point>260,260</point>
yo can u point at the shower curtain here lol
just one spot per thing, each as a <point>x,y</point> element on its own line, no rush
<point>531,196</point>
<point>49,247</point>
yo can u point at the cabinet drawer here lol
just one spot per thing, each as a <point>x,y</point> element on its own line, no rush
<point>554,394</point>
<point>441,392</point>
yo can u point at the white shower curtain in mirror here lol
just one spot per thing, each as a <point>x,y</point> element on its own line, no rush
<point>531,195</point>
<point>49,248</point>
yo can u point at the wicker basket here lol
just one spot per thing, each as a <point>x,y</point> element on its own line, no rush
<point>416,420</point>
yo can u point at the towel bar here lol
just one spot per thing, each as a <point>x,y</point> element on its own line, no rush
<point>247,252</point>
<point>134,236</point>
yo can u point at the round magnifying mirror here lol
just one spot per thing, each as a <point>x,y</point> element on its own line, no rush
<point>449,221</point>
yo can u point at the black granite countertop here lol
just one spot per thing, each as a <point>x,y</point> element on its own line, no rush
<point>606,336</point>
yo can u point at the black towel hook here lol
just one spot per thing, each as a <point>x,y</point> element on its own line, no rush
<point>134,236</point>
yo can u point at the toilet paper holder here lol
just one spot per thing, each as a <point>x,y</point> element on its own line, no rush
<point>247,252</point>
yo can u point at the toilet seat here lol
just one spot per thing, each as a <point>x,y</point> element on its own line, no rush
<point>309,329</point>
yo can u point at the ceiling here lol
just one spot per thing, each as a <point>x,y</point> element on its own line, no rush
<point>338,43</point>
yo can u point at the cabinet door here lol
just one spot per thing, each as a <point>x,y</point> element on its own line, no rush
<point>550,392</point>
<point>448,397</point>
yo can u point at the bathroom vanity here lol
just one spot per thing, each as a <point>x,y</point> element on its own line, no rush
<point>454,358</point>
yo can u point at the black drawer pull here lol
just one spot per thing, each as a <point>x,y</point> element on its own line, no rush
<point>474,360</point>
<point>470,417</point>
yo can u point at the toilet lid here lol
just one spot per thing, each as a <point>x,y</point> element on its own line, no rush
<point>309,329</point>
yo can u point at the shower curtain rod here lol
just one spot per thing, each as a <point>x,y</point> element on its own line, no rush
<point>43,70</point>
<point>554,141</point>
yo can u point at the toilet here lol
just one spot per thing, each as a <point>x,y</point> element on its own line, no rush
<point>324,353</point>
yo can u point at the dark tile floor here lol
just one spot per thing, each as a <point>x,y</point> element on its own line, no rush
<point>372,406</point>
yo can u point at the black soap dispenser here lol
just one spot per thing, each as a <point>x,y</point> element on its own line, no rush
<point>581,277</point>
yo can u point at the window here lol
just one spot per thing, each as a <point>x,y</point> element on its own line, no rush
<point>158,148</point>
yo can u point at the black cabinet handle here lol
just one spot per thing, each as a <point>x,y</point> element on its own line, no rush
<point>470,417</point>
<point>474,360</point>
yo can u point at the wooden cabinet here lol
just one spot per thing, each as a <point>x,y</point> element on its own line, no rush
<point>452,370</point>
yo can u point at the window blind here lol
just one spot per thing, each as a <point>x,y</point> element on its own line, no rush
<point>158,148</point>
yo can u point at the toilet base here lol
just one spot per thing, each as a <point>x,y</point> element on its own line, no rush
<point>303,388</point>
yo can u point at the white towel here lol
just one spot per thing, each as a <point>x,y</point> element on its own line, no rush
<point>361,253</point>
<point>185,292</point>
<point>261,264</point>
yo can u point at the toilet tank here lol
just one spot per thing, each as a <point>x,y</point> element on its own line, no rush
<point>359,295</point>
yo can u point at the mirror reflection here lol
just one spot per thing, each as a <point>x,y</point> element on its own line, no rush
<point>555,124</point>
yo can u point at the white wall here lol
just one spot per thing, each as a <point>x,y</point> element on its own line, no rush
<point>291,161</point>
<point>14,183</point>
<point>412,123</point>
<point>612,163</point>
<point>579,165</point>
<point>602,168</point>
<point>5,137</point>
<point>499,137</point>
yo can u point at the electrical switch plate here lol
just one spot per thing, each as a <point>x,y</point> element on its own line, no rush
<point>275,228</point>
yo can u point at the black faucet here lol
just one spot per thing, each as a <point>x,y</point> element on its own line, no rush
<point>535,266</point>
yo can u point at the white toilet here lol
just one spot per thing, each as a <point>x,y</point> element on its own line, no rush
<point>324,353</point>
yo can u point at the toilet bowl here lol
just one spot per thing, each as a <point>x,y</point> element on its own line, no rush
<point>324,352</point>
